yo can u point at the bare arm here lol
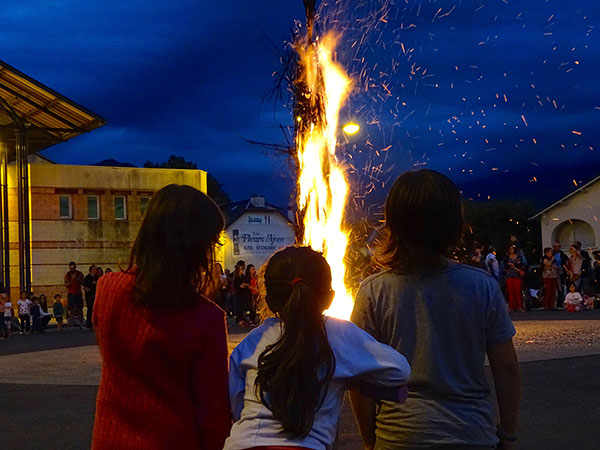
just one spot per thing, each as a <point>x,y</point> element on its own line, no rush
<point>364,413</point>
<point>507,380</point>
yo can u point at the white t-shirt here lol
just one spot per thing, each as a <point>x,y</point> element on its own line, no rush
<point>24,306</point>
<point>7,309</point>
<point>358,356</point>
<point>573,298</point>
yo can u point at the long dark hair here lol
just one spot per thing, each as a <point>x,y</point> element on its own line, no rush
<point>293,373</point>
<point>423,222</point>
<point>173,252</point>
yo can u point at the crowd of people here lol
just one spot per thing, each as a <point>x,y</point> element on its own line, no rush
<point>237,292</point>
<point>412,355</point>
<point>570,282</point>
<point>31,314</point>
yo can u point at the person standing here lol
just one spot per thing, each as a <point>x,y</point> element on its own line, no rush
<point>8,313</point>
<point>73,282</point>
<point>550,271</point>
<point>561,261</point>
<point>3,324</point>
<point>586,269</point>
<point>492,262</point>
<point>445,317</point>
<point>513,267</point>
<point>574,266</point>
<point>58,311</point>
<point>24,305</point>
<point>89,287</point>
<point>163,342</point>
<point>477,259</point>
<point>242,294</point>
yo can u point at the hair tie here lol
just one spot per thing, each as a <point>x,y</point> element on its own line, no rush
<point>297,280</point>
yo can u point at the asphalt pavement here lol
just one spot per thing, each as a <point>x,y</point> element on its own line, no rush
<point>53,407</point>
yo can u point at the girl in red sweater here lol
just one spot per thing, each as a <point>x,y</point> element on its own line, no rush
<point>163,343</point>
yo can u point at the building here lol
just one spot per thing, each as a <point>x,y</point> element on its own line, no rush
<point>87,214</point>
<point>253,231</point>
<point>574,217</point>
<point>33,117</point>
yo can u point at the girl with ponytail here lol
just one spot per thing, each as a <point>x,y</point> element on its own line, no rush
<point>287,377</point>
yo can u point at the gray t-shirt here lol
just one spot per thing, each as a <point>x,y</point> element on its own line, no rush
<point>443,323</point>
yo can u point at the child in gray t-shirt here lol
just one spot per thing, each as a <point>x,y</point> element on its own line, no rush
<point>445,318</point>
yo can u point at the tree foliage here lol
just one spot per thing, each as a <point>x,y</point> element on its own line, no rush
<point>493,222</point>
<point>214,188</point>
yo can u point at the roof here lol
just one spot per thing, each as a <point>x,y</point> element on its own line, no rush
<point>233,211</point>
<point>49,117</point>
<point>582,188</point>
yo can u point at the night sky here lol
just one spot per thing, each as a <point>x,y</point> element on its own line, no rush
<point>502,95</point>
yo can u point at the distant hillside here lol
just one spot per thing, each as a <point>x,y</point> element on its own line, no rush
<point>113,163</point>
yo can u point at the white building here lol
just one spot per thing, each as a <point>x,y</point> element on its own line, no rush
<point>253,231</point>
<point>575,217</point>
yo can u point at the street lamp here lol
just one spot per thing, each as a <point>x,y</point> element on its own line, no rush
<point>351,128</point>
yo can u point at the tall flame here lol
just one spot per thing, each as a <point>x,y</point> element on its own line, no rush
<point>322,186</point>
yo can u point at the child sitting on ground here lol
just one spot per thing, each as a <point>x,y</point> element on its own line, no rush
<point>58,311</point>
<point>288,376</point>
<point>7,314</point>
<point>573,300</point>
<point>36,315</point>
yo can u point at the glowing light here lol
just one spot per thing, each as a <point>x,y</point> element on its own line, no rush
<point>322,185</point>
<point>351,128</point>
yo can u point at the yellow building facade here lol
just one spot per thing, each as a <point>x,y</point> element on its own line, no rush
<point>86,214</point>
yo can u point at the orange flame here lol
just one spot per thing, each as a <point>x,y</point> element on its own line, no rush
<point>322,185</point>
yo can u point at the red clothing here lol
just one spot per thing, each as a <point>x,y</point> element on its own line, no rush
<point>164,372</point>
<point>550,288</point>
<point>75,286</point>
<point>515,297</point>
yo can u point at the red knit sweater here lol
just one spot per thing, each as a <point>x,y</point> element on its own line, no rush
<point>164,373</point>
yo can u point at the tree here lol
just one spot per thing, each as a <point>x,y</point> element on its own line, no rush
<point>214,188</point>
<point>492,223</point>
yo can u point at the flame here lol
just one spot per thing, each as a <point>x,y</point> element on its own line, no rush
<point>322,185</point>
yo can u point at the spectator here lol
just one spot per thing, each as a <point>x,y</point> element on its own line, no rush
<point>46,316</point>
<point>219,293</point>
<point>3,324</point>
<point>36,315</point>
<point>24,305</point>
<point>287,378</point>
<point>586,269</point>
<point>252,278</point>
<point>89,287</point>
<point>573,300</point>
<point>574,266</point>
<point>108,270</point>
<point>58,311</point>
<point>477,259</point>
<point>561,261</point>
<point>163,342</point>
<point>550,272</point>
<point>243,296</point>
<point>492,262</point>
<point>513,268</point>
<point>445,317</point>
<point>8,313</point>
<point>73,282</point>
<point>99,272</point>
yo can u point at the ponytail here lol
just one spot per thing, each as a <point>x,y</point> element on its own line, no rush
<point>294,372</point>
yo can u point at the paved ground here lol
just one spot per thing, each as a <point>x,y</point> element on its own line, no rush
<point>48,385</point>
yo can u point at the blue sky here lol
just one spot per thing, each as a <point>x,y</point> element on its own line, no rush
<point>191,78</point>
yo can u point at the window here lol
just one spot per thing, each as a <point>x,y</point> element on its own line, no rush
<point>144,204</point>
<point>120,208</point>
<point>93,206</point>
<point>66,209</point>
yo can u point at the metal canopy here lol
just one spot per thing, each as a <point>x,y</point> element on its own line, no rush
<point>48,117</point>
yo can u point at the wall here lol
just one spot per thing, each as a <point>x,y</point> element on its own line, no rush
<point>105,241</point>
<point>583,206</point>
<point>254,237</point>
